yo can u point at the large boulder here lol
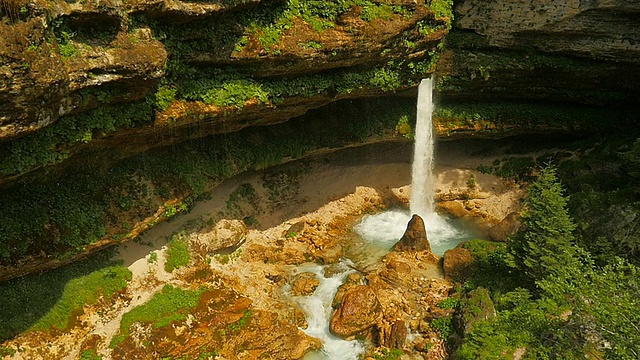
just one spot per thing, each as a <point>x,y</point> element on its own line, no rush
<point>505,228</point>
<point>359,311</point>
<point>226,234</point>
<point>457,263</point>
<point>305,284</point>
<point>415,237</point>
<point>474,306</point>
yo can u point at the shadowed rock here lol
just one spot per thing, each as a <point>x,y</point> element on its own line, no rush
<point>415,237</point>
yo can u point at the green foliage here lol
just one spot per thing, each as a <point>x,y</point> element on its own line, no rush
<point>545,242</point>
<point>393,354</point>
<point>153,258</point>
<point>53,143</point>
<point>59,214</point>
<point>404,129</point>
<point>534,326</point>
<point>170,305</point>
<point>89,355</point>
<point>442,8</point>
<point>164,97</point>
<point>83,291</point>
<point>493,267</point>
<point>243,322</point>
<point>448,303</point>
<point>177,252</point>
<point>386,79</point>
<point>442,326</point>
<point>604,302</point>
<point>27,299</point>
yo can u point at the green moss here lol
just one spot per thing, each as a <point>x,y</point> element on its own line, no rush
<point>243,322</point>
<point>89,355</point>
<point>83,291</point>
<point>177,253</point>
<point>28,299</point>
<point>442,326</point>
<point>63,214</point>
<point>53,143</point>
<point>170,305</point>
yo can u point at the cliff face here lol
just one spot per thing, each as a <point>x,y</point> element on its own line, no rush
<point>76,75</point>
<point>100,81</point>
<point>579,51</point>
<point>596,29</point>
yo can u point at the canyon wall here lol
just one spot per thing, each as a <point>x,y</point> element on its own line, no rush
<point>86,84</point>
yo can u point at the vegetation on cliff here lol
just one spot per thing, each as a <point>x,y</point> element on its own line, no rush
<point>553,300</point>
<point>60,214</point>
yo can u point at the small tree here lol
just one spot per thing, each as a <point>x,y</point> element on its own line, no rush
<point>544,244</point>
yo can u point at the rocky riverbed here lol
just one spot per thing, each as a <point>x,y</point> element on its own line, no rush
<point>246,245</point>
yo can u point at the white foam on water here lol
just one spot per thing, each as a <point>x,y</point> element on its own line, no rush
<point>384,229</point>
<point>317,308</point>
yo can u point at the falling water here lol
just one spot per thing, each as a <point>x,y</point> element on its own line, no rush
<point>422,194</point>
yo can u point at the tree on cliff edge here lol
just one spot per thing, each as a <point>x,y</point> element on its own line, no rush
<point>544,243</point>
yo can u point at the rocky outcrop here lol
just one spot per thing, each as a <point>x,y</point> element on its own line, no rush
<point>457,263</point>
<point>584,52</point>
<point>304,284</point>
<point>606,30</point>
<point>225,235</point>
<point>80,62</point>
<point>359,311</point>
<point>505,228</point>
<point>475,306</point>
<point>414,237</point>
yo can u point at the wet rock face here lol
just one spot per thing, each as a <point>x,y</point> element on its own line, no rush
<point>359,311</point>
<point>305,284</point>
<point>415,237</point>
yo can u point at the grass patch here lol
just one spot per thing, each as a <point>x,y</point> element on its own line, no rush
<point>27,300</point>
<point>177,253</point>
<point>82,291</point>
<point>170,305</point>
<point>243,322</point>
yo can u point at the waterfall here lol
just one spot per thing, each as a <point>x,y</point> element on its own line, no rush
<point>422,193</point>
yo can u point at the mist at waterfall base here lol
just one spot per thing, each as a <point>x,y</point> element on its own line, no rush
<point>385,229</point>
<point>378,233</point>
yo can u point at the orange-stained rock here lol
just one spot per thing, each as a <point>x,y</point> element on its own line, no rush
<point>505,228</point>
<point>457,263</point>
<point>415,237</point>
<point>359,311</point>
<point>305,284</point>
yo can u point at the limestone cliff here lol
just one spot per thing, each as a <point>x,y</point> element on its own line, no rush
<point>578,51</point>
<point>74,72</point>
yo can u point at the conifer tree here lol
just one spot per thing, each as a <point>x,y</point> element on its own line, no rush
<point>544,243</point>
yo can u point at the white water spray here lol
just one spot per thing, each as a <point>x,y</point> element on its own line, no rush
<point>318,310</point>
<point>422,180</point>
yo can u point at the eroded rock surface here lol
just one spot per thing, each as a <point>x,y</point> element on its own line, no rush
<point>305,284</point>
<point>226,234</point>
<point>414,237</point>
<point>359,311</point>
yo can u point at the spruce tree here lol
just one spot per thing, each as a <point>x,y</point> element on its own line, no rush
<point>544,243</point>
